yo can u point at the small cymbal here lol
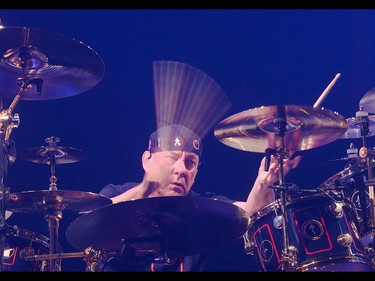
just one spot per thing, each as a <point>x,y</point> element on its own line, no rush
<point>42,200</point>
<point>368,101</point>
<point>55,65</point>
<point>48,154</point>
<point>257,129</point>
<point>176,225</point>
<point>354,128</point>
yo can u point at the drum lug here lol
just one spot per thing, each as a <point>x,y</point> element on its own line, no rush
<point>248,244</point>
<point>345,240</point>
<point>278,222</point>
<point>335,209</point>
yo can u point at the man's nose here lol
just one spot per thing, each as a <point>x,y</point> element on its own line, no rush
<point>181,165</point>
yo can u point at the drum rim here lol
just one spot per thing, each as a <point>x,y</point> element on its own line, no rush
<point>30,235</point>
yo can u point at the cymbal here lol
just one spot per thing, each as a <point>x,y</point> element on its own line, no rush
<point>354,128</point>
<point>55,65</point>
<point>43,200</point>
<point>343,161</point>
<point>342,176</point>
<point>352,157</point>
<point>175,225</point>
<point>48,154</point>
<point>257,129</point>
<point>368,101</point>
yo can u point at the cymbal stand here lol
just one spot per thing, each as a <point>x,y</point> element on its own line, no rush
<point>53,215</point>
<point>288,257</point>
<point>22,59</point>
<point>8,121</point>
<point>367,155</point>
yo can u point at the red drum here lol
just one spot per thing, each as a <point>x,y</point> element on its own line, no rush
<point>20,243</point>
<point>322,233</point>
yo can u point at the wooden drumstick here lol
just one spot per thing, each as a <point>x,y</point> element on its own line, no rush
<point>326,91</point>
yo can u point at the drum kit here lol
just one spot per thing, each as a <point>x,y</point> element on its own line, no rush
<point>330,228</point>
<point>40,65</point>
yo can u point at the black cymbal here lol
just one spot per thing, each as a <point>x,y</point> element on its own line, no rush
<point>54,66</point>
<point>48,154</point>
<point>175,225</point>
<point>257,129</point>
<point>43,200</point>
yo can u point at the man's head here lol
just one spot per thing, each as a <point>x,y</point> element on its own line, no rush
<point>172,159</point>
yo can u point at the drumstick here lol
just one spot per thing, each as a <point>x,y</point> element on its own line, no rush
<point>326,91</point>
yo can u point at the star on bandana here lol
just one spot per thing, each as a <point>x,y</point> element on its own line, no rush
<point>177,141</point>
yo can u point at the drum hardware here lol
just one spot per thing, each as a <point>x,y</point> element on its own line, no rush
<point>345,240</point>
<point>90,255</point>
<point>276,130</point>
<point>53,201</point>
<point>335,209</point>
<point>53,73</point>
<point>8,121</point>
<point>368,155</point>
<point>319,240</point>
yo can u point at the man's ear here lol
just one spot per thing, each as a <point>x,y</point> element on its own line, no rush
<point>146,157</point>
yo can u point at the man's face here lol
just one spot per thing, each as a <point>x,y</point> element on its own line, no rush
<point>173,171</point>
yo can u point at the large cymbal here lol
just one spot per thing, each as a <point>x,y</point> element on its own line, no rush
<point>257,129</point>
<point>62,66</point>
<point>50,154</point>
<point>175,225</point>
<point>43,200</point>
<point>368,101</point>
<point>354,128</point>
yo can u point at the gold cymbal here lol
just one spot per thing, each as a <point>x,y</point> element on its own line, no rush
<point>43,200</point>
<point>257,129</point>
<point>53,65</point>
<point>175,225</point>
<point>52,155</point>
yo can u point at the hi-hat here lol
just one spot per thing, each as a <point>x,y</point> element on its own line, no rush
<point>354,128</point>
<point>53,65</point>
<point>52,154</point>
<point>44,200</point>
<point>367,102</point>
<point>293,127</point>
<point>175,225</point>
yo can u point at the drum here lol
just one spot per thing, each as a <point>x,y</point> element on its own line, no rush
<point>351,181</point>
<point>322,232</point>
<point>21,242</point>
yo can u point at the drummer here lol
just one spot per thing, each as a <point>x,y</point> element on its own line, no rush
<point>171,163</point>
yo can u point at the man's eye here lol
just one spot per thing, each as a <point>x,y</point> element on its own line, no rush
<point>190,164</point>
